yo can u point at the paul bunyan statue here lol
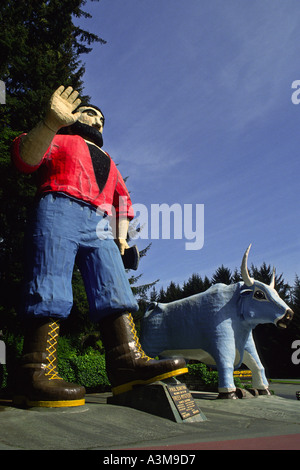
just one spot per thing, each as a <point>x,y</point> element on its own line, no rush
<point>79,191</point>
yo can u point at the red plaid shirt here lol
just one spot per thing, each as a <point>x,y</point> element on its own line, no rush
<point>67,167</point>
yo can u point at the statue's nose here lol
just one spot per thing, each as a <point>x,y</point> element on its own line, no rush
<point>286,320</point>
<point>289,315</point>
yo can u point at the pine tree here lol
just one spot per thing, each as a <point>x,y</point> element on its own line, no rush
<point>173,292</point>
<point>222,275</point>
<point>15,195</point>
<point>295,305</point>
<point>236,277</point>
<point>140,291</point>
<point>153,295</point>
<point>161,295</point>
<point>40,49</point>
<point>194,285</point>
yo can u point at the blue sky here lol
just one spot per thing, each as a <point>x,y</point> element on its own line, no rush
<point>197,100</point>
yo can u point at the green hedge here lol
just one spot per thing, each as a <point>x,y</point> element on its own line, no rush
<point>86,366</point>
<point>88,370</point>
<point>200,377</point>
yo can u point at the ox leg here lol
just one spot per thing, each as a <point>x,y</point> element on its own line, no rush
<point>226,386</point>
<point>223,351</point>
<point>251,359</point>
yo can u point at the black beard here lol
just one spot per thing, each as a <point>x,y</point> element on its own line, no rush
<point>86,132</point>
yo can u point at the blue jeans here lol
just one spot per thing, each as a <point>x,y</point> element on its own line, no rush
<point>62,230</point>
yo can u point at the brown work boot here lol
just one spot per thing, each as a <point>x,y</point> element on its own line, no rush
<point>38,382</point>
<point>126,363</point>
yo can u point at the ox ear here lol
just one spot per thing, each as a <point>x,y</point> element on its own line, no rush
<point>152,305</point>
<point>245,292</point>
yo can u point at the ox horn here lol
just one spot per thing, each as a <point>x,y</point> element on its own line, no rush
<point>272,283</point>
<point>244,270</point>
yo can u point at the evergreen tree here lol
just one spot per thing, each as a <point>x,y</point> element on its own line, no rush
<point>222,275</point>
<point>161,295</point>
<point>194,285</point>
<point>15,195</point>
<point>40,49</point>
<point>296,295</point>
<point>236,277</point>
<point>295,305</point>
<point>153,295</point>
<point>173,292</point>
<point>141,290</point>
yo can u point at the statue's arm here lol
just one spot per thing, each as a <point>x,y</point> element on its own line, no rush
<point>59,114</point>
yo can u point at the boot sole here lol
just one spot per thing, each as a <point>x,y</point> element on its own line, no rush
<point>129,386</point>
<point>24,401</point>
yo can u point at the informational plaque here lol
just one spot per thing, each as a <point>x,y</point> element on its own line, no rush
<point>183,400</point>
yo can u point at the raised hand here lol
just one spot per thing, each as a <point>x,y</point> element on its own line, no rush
<point>61,108</point>
<point>60,113</point>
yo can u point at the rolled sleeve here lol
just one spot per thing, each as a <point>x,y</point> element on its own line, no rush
<point>17,160</point>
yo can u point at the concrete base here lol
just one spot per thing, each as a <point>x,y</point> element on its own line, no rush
<point>168,399</point>
<point>264,423</point>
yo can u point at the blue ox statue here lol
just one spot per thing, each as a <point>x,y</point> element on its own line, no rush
<point>215,327</point>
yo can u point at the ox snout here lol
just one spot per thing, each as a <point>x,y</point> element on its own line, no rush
<point>286,320</point>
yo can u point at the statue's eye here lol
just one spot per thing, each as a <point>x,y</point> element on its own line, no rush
<point>90,112</point>
<point>260,295</point>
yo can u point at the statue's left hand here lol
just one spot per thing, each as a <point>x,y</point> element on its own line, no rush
<point>122,245</point>
<point>121,234</point>
<point>61,108</point>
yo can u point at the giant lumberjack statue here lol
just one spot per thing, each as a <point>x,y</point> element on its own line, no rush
<point>78,186</point>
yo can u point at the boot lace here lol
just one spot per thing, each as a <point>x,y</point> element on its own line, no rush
<point>51,349</point>
<point>136,339</point>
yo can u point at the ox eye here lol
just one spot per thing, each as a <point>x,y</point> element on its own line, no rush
<point>260,295</point>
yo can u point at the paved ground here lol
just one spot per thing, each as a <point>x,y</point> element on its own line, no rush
<point>255,423</point>
<point>285,389</point>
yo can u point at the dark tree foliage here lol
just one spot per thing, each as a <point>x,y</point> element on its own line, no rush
<point>295,304</point>
<point>40,49</point>
<point>222,275</point>
<point>194,285</point>
<point>16,194</point>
